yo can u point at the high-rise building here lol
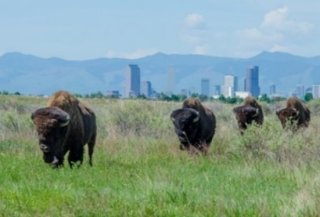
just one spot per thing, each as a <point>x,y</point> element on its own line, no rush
<point>299,91</point>
<point>146,88</point>
<point>251,81</point>
<point>205,87</point>
<point>170,81</point>
<point>184,92</point>
<point>230,85</point>
<point>316,91</point>
<point>132,81</point>
<point>113,93</point>
<point>272,90</point>
<point>216,90</point>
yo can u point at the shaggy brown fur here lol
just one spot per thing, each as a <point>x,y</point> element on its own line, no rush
<point>194,125</point>
<point>56,137</point>
<point>250,112</point>
<point>249,100</point>
<point>295,115</point>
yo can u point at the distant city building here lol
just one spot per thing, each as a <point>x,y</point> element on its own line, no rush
<point>251,81</point>
<point>299,91</point>
<point>316,91</point>
<point>113,93</point>
<point>230,85</point>
<point>132,81</point>
<point>146,88</point>
<point>216,91</point>
<point>272,90</point>
<point>184,92</point>
<point>170,81</point>
<point>205,87</point>
<point>308,90</point>
<point>242,94</point>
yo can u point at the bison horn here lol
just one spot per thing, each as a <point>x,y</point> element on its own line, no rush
<point>296,111</point>
<point>196,119</point>
<point>65,122</point>
<point>257,112</point>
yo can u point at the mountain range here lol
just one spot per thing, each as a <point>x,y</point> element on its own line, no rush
<point>29,74</point>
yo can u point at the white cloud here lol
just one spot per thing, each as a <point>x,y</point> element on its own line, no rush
<point>257,35</point>
<point>131,54</point>
<point>280,48</point>
<point>201,50</point>
<point>276,17</point>
<point>196,33</point>
<point>278,20</point>
<point>277,32</point>
<point>195,21</point>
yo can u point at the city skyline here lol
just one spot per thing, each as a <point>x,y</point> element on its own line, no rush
<point>230,87</point>
<point>284,70</point>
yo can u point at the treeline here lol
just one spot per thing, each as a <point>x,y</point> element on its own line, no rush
<point>7,93</point>
<point>203,98</point>
<point>177,97</point>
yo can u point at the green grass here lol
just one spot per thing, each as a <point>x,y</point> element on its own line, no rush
<point>140,171</point>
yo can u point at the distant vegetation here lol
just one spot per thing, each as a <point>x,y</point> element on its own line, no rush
<point>140,171</point>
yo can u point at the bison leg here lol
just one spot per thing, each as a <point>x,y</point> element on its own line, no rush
<point>91,144</point>
<point>75,154</point>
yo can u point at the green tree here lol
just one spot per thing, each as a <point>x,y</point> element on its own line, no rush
<point>265,98</point>
<point>308,97</point>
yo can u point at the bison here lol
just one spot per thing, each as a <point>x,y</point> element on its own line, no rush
<point>248,113</point>
<point>194,125</point>
<point>65,125</point>
<point>295,115</point>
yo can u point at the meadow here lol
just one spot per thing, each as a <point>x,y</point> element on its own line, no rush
<point>139,170</point>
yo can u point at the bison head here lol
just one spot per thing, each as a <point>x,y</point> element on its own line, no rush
<point>51,125</point>
<point>287,116</point>
<point>246,114</point>
<point>185,121</point>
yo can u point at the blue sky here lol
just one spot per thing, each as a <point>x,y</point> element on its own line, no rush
<point>82,29</point>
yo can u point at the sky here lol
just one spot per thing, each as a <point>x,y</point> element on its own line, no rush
<point>82,29</point>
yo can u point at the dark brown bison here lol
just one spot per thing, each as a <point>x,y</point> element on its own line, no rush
<point>65,125</point>
<point>194,125</point>
<point>295,115</point>
<point>248,113</point>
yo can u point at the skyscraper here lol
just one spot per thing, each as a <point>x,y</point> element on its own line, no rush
<point>299,91</point>
<point>170,81</point>
<point>146,88</point>
<point>230,85</point>
<point>205,87</point>
<point>316,91</point>
<point>272,89</point>
<point>132,81</point>
<point>251,81</point>
<point>216,90</point>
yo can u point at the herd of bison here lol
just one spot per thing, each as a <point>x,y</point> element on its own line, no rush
<point>66,125</point>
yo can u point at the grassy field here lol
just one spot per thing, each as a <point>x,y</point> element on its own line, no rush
<point>140,171</point>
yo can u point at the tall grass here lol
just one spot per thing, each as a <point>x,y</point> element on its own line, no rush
<point>140,171</point>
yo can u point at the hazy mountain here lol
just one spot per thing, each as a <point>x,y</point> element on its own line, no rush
<point>34,75</point>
